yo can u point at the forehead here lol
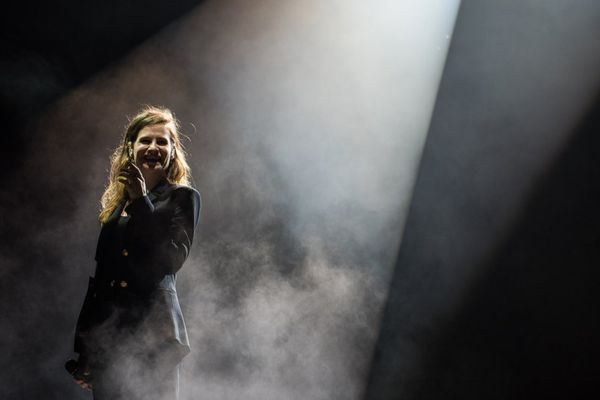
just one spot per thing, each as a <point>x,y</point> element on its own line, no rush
<point>155,131</point>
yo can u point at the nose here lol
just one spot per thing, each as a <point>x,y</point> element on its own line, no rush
<point>152,146</point>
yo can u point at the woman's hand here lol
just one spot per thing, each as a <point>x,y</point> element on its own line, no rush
<point>83,384</point>
<point>80,372</point>
<point>131,176</point>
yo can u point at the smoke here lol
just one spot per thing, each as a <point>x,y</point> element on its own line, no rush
<point>306,124</point>
<point>284,340</point>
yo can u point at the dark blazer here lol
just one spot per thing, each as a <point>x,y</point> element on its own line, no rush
<point>133,290</point>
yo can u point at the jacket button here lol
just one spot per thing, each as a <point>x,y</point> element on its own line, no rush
<point>124,252</point>
<point>112,283</point>
<point>123,284</point>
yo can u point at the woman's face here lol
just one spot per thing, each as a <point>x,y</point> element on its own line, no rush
<point>152,149</point>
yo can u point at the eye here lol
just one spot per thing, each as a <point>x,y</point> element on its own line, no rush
<point>144,140</point>
<point>162,142</point>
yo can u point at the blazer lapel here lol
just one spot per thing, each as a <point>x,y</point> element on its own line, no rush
<point>161,187</point>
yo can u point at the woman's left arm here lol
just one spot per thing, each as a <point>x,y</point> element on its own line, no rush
<point>166,233</point>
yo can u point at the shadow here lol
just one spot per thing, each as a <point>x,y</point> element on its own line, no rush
<point>494,293</point>
<point>528,328</point>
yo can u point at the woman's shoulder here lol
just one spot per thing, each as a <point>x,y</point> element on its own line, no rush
<point>184,190</point>
<point>186,194</point>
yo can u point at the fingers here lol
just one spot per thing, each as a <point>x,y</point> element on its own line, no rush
<point>124,180</point>
<point>131,176</point>
<point>83,384</point>
<point>129,172</point>
<point>135,170</point>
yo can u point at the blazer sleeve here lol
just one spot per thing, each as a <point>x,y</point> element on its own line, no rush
<point>166,234</point>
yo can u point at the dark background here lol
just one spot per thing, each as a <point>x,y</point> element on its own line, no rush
<point>497,281</point>
<point>495,291</point>
<point>50,48</point>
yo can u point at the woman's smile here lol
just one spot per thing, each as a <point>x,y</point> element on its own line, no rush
<point>152,162</point>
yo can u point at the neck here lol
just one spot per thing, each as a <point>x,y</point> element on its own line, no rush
<point>152,180</point>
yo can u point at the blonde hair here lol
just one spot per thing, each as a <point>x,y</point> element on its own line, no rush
<point>178,171</point>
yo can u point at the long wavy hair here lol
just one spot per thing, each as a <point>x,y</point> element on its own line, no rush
<point>178,171</point>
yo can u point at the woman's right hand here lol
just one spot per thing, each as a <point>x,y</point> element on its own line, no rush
<point>80,372</point>
<point>84,385</point>
<point>133,179</point>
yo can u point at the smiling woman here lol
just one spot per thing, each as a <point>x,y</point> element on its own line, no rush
<point>152,135</point>
<point>131,334</point>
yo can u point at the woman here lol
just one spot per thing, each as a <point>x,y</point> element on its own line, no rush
<point>130,334</point>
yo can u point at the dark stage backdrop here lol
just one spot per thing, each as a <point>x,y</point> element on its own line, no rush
<point>495,293</point>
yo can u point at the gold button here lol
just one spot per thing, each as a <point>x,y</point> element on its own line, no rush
<point>112,283</point>
<point>125,252</point>
<point>123,284</point>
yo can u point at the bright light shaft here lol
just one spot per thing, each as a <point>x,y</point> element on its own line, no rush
<point>310,118</point>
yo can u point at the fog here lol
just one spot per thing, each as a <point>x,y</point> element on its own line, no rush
<point>306,122</point>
